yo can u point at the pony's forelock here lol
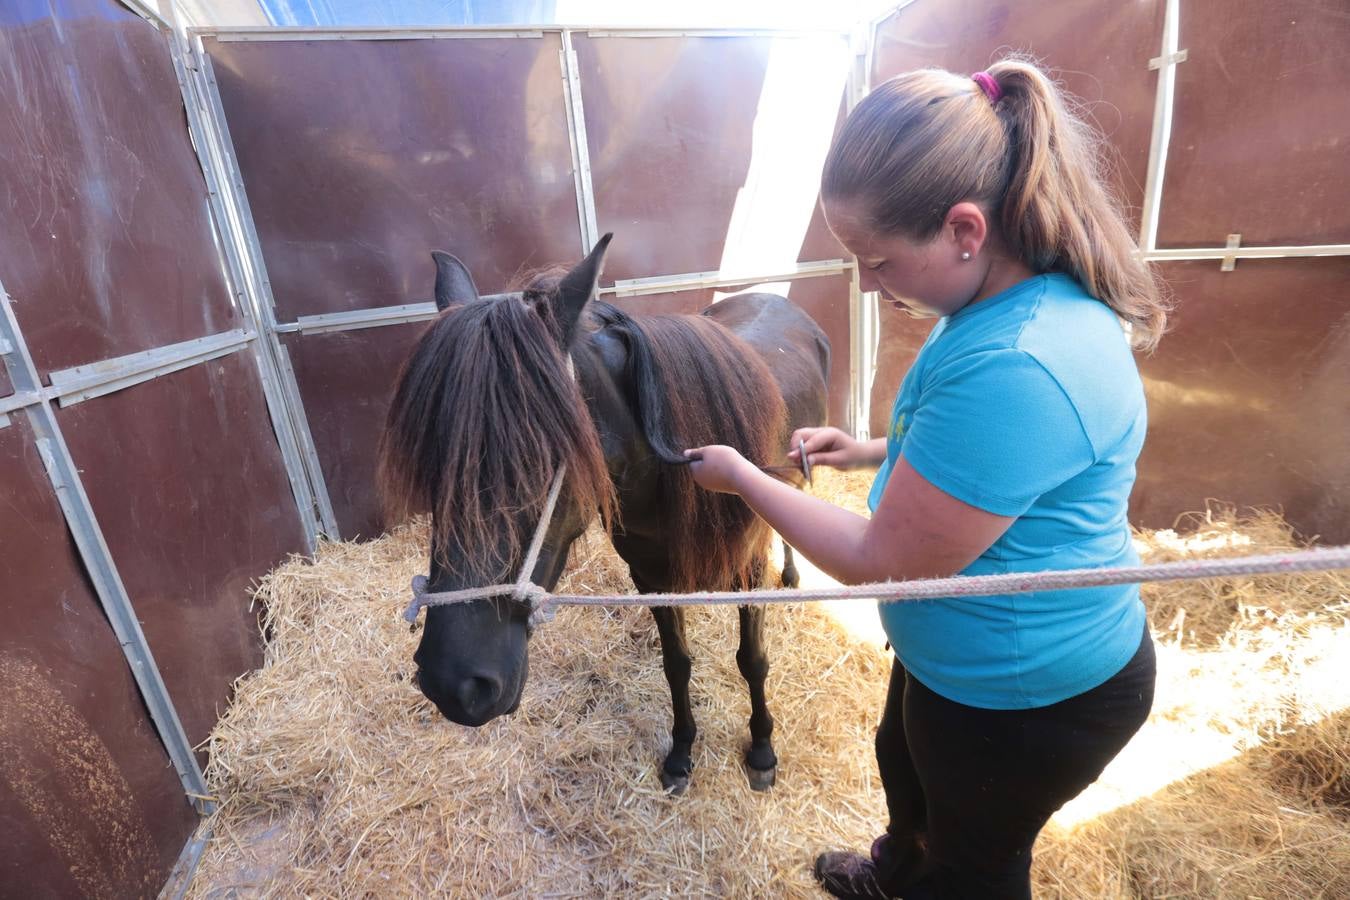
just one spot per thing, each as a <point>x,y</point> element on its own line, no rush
<point>484,412</point>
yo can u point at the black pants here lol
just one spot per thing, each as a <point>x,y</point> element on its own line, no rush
<point>969,789</point>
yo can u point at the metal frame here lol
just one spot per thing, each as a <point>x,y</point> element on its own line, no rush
<point>864,319</point>
<point>180,877</point>
<point>379,316</point>
<point>84,382</point>
<point>660,284</point>
<point>64,475</point>
<point>256,33</point>
<point>393,33</point>
<point>581,147</point>
<point>147,10</point>
<point>1234,251</point>
<point>74,385</point>
<point>706,32</point>
<point>371,317</point>
<point>246,272</point>
<point>1165,63</point>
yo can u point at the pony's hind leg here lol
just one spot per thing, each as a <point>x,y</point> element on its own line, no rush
<point>678,665</point>
<point>761,763</point>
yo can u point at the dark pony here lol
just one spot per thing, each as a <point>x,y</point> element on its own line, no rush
<point>486,410</point>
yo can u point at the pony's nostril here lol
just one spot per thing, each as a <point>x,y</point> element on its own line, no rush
<point>479,694</point>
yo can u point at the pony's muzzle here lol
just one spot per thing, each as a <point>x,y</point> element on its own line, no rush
<point>478,696</point>
<point>471,700</point>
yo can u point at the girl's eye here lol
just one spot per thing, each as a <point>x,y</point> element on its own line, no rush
<point>877,268</point>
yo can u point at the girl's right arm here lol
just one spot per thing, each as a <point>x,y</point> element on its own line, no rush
<point>832,447</point>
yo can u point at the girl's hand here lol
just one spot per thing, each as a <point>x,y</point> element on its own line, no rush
<point>718,468</point>
<point>831,447</point>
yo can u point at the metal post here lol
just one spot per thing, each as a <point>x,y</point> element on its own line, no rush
<point>244,268</point>
<point>98,561</point>
<point>1166,64</point>
<point>863,326</point>
<point>581,152</point>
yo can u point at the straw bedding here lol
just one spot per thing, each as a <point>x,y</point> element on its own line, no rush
<point>337,779</point>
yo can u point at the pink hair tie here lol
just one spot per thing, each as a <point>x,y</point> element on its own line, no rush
<point>989,85</point>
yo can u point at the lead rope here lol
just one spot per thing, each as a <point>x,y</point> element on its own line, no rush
<point>1315,560</point>
<point>524,591</point>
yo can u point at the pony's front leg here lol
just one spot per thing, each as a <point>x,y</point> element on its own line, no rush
<point>678,665</point>
<point>761,763</point>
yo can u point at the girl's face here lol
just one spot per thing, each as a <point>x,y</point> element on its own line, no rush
<point>924,279</point>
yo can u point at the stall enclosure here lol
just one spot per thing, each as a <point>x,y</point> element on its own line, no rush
<point>164,331</point>
<point>216,256</point>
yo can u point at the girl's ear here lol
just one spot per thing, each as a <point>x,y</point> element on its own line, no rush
<point>967,228</point>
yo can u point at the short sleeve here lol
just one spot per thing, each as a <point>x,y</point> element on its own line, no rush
<point>995,430</point>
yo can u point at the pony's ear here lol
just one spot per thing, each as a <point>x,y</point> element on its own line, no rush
<point>576,289</point>
<point>454,284</point>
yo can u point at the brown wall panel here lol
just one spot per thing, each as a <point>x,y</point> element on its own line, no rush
<point>1098,49</point>
<point>188,484</point>
<point>1249,394</point>
<point>668,123</point>
<point>819,242</point>
<point>670,303</point>
<point>1261,128</point>
<point>89,805</point>
<point>105,242</point>
<point>346,380</point>
<point>360,157</point>
<point>825,299</point>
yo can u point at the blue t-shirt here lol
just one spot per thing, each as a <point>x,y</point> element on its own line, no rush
<point>1026,404</point>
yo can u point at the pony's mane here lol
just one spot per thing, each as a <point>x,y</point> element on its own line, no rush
<point>483,414</point>
<point>695,383</point>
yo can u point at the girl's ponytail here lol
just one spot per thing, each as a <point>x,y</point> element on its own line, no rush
<point>922,142</point>
<point>1057,214</point>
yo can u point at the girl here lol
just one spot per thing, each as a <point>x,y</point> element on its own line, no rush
<point>1011,448</point>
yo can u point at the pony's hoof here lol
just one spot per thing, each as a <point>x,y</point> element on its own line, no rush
<point>761,779</point>
<point>675,785</point>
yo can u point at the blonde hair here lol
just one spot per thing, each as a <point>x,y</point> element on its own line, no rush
<point>924,141</point>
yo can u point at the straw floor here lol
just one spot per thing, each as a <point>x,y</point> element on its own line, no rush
<point>337,779</point>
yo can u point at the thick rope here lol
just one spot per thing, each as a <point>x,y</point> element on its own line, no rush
<point>523,591</point>
<point>1316,560</point>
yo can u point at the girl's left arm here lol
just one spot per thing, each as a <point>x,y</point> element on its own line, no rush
<point>918,531</point>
